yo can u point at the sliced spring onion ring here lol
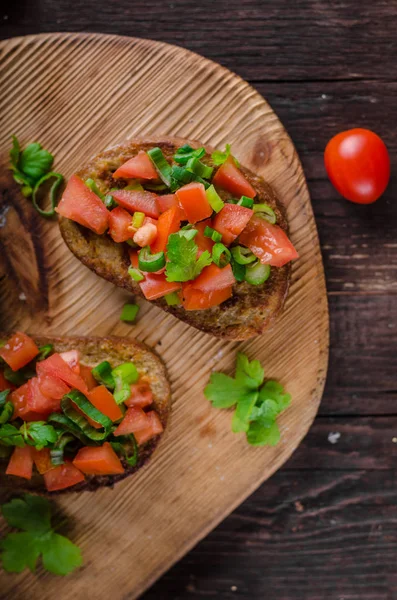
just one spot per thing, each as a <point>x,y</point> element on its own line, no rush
<point>68,425</point>
<point>135,274</point>
<point>186,152</point>
<point>257,273</point>
<point>197,167</point>
<point>238,271</point>
<point>103,374</point>
<point>124,375</point>
<point>265,212</point>
<point>189,234</point>
<point>161,165</point>
<point>243,256</point>
<point>138,219</point>
<point>221,255</point>
<point>129,313</point>
<point>121,447</point>
<point>56,453</point>
<point>53,191</point>
<point>150,262</point>
<point>245,201</point>
<point>214,199</point>
<point>90,183</point>
<point>172,299</point>
<point>78,399</point>
<point>110,202</point>
<point>212,234</point>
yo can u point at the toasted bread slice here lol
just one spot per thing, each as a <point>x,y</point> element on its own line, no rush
<point>251,308</point>
<point>93,351</point>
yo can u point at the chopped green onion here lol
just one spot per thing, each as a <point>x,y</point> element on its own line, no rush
<point>186,152</point>
<point>53,191</point>
<point>238,271</point>
<point>103,374</point>
<point>135,274</point>
<point>214,199</point>
<point>189,234</point>
<point>161,165</point>
<point>134,186</point>
<point>122,447</point>
<point>243,256</point>
<point>257,273</point>
<point>155,187</point>
<point>15,377</point>
<point>44,351</point>
<point>197,167</point>
<point>150,263</point>
<point>6,408</point>
<point>68,425</point>
<point>138,219</point>
<point>110,202</point>
<point>265,212</point>
<point>182,175</point>
<point>221,255</point>
<point>245,201</point>
<point>91,184</point>
<point>124,375</point>
<point>129,313</point>
<point>212,234</point>
<point>56,453</point>
<point>75,397</point>
<point>172,299</point>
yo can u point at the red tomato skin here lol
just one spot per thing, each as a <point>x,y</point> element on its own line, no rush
<point>53,387</point>
<point>213,278</point>
<point>137,167</point>
<point>103,400</point>
<point>203,242</point>
<point>168,223</point>
<point>80,204</point>
<point>358,165</point>
<point>54,365</point>
<point>141,395</point>
<point>154,428</point>
<point>37,402</point>
<point>193,199</point>
<point>134,420</point>
<point>230,178</point>
<point>167,201</point>
<point>42,460</point>
<point>268,242</point>
<point>72,358</point>
<point>19,350</point>
<point>87,376</point>
<point>21,462</point>
<point>62,477</point>
<point>19,399</point>
<point>120,224</point>
<point>197,300</point>
<point>231,221</point>
<point>100,460</point>
<point>137,201</point>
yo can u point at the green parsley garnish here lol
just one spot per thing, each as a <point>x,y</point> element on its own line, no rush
<point>31,168</point>
<point>19,550</point>
<point>218,157</point>
<point>257,404</point>
<point>183,264</point>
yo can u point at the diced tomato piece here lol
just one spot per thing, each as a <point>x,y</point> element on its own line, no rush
<point>268,242</point>
<point>231,220</point>
<point>104,401</point>
<point>54,365</point>
<point>62,477</point>
<point>203,242</point>
<point>72,358</point>
<point>137,167</point>
<point>21,462</point>
<point>19,399</point>
<point>80,204</point>
<point>169,222</point>
<point>155,427</point>
<point>53,387</point>
<point>141,395</point>
<point>4,384</point>
<point>168,201</point>
<point>193,199</point>
<point>137,201</point>
<point>134,420</point>
<point>120,225</point>
<point>37,402</point>
<point>154,285</point>
<point>100,460</point>
<point>230,178</point>
<point>19,350</point>
<point>89,379</point>
<point>198,300</point>
<point>42,460</point>
<point>213,278</point>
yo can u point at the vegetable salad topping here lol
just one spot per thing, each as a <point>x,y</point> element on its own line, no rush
<point>193,225</point>
<point>69,420</point>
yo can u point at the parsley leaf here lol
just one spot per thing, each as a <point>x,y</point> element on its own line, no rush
<point>183,264</point>
<point>39,434</point>
<point>11,436</point>
<point>218,157</point>
<point>21,550</point>
<point>15,152</point>
<point>257,404</point>
<point>35,161</point>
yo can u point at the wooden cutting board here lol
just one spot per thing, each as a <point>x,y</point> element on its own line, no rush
<point>77,94</point>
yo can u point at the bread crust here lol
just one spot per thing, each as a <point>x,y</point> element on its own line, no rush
<point>94,350</point>
<point>251,308</point>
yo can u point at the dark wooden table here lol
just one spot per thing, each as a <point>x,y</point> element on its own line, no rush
<point>325,526</point>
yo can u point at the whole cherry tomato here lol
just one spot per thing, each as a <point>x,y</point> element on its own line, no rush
<point>358,165</point>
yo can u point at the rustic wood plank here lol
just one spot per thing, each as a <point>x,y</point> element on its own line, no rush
<point>305,535</point>
<point>279,39</point>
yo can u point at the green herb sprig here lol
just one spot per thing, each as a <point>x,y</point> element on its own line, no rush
<point>183,264</point>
